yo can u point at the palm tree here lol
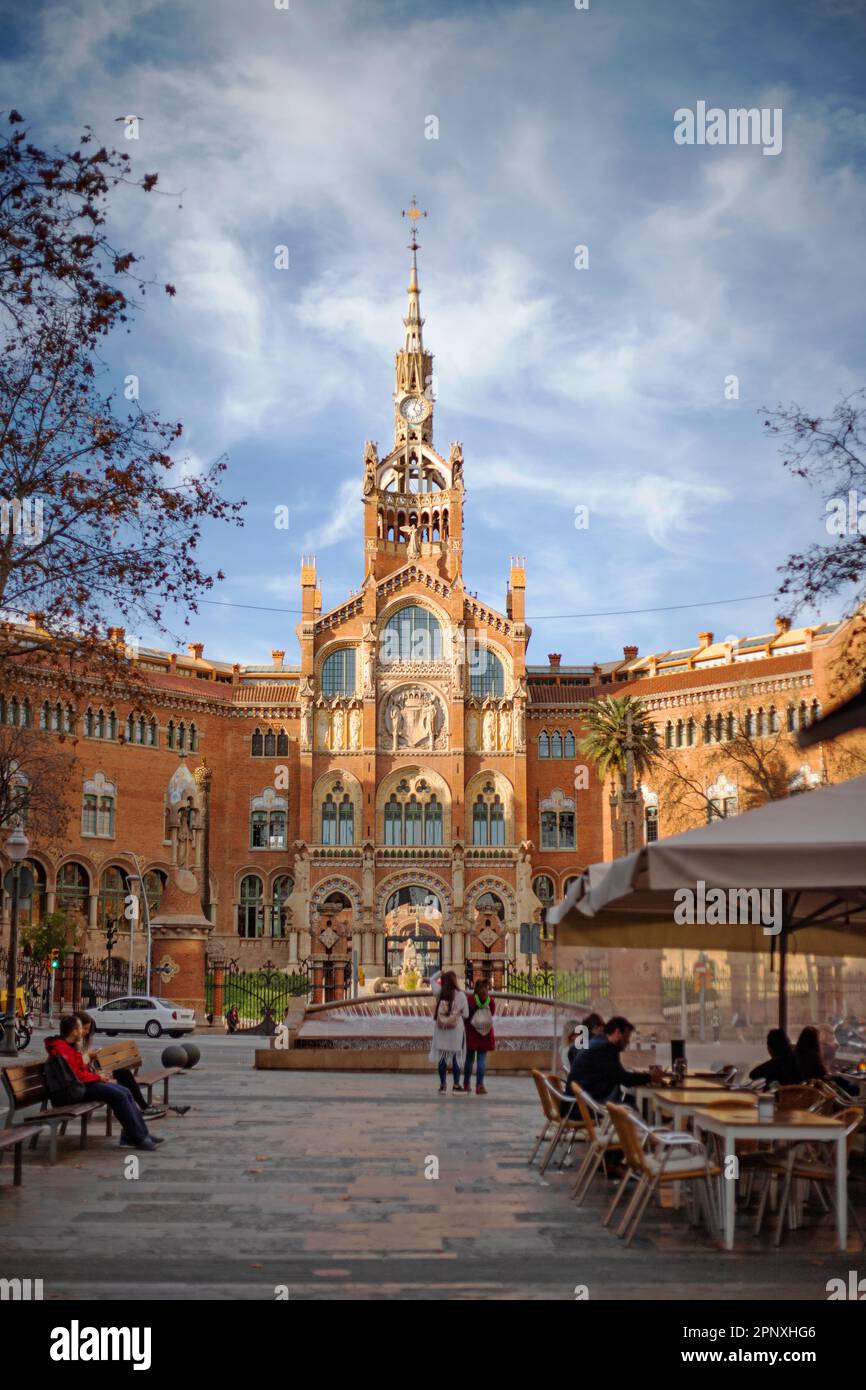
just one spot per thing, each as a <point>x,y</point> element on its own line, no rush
<point>612,724</point>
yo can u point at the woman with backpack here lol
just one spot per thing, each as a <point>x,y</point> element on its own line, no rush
<point>448,1043</point>
<point>480,1038</point>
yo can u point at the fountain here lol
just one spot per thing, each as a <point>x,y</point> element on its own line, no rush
<point>391,1032</point>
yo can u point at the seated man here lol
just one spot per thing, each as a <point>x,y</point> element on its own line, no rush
<point>598,1069</point>
<point>134,1132</point>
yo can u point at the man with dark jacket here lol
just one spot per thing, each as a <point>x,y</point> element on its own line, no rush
<point>134,1132</point>
<point>598,1069</point>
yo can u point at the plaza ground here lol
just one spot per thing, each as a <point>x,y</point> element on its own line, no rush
<point>317,1182</point>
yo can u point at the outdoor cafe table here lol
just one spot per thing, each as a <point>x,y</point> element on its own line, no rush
<point>733,1124</point>
<point>680,1102</point>
<point>645,1095</point>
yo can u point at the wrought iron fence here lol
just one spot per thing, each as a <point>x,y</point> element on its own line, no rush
<point>574,986</point>
<point>260,996</point>
<point>102,979</point>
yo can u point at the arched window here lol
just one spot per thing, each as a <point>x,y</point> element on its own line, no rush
<point>88,723</point>
<point>181,737</point>
<point>170,733</point>
<point>258,744</point>
<point>72,890</point>
<point>34,913</point>
<point>651,823</point>
<point>193,738</point>
<point>774,720</point>
<point>411,634</point>
<point>268,817</point>
<point>791,719</point>
<point>112,897</point>
<point>412,821</point>
<point>814,711</point>
<point>111,731</point>
<point>338,672</point>
<point>97,807</point>
<point>99,724</point>
<point>669,735</point>
<point>393,822</point>
<point>492,903</point>
<point>679,733</point>
<point>338,818</point>
<point>542,887</point>
<point>251,917</point>
<point>283,889</point>
<point>282,744</point>
<point>568,745</point>
<point>762,722</point>
<point>69,720</point>
<point>543,745</point>
<point>152,734</point>
<point>691,733</point>
<point>43,715</point>
<point>487,676</point>
<point>751,724</point>
<point>433,822</point>
<point>270,744</point>
<point>154,887</point>
<point>556,744</point>
<point>488,818</point>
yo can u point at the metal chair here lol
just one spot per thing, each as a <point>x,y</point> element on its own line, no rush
<point>600,1137</point>
<point>801,1164</point>
<point>550,1093</point>
<point>651,1172</point>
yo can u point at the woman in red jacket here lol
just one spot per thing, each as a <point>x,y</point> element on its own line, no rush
<point>134,1132</point>
<point>480,1038</point>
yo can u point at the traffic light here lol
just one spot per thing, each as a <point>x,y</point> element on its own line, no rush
<point>54,961</point>
<point>110,935</point>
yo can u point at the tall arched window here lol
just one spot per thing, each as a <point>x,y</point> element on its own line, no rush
<point>487,675</point>
<point>338,672</point>
<point>338,818</point>
<point>568,745</point>
<point>112,897</point>
<point>34,913</point>
<point>544,745</point>
<point>270,744</point>
<point>393,822</point>
<point>413,814</point>
<point>413,821</point>
<point>283,888</point>
<point>433,822</point>
<point>556,744</point>
<point>488,818</point>
<point>411,634</point>
<point>251,917</point>
<point>669,735</point>
<point>72,890</point>
<point>257,746</point>
<point>651,823</point>
<point>542,887</point>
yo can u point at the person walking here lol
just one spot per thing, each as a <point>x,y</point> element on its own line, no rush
<point>480,1037</point>
<point>448,1044</point>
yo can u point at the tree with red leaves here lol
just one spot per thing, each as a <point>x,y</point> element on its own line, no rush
<point>100,519</point>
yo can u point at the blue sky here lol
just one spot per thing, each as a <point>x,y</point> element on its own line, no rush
<point>601,387</point>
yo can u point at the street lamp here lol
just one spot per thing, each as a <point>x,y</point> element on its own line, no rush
<point>17,846</point>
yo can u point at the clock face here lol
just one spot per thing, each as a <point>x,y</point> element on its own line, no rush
<point>413,409</point>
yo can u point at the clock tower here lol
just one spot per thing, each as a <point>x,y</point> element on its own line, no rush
<point>413,497</point>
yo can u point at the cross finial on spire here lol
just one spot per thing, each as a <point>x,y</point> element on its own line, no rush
<point>413,212</point>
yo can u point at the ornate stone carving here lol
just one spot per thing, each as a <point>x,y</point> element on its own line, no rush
<point>413,716</point>
<point>355,729</point>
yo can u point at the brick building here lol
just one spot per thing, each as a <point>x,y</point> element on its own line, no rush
<point>413,775</point>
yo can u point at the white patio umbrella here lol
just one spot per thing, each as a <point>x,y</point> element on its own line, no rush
<point>807,854</point>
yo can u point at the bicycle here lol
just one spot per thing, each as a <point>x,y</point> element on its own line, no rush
<point>23,1032</point>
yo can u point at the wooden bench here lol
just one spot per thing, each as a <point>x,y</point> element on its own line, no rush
<point>25,1087</point>
<point>15,1139</point>
<point>125,1056</point>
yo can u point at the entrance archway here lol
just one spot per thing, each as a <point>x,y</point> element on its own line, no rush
<point>413,914</point>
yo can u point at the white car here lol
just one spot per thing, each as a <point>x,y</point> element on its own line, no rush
<point>143,1013</point>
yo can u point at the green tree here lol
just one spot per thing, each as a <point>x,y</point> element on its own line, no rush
<point>56,932</point>
<point>615,725</point>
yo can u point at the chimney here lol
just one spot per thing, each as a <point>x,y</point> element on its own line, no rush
<point>783,625</point>
<point>705,639</point>
<point>196,650</point>
<point>278,658</point>
<point>629,653</point>
<point>554,658</point>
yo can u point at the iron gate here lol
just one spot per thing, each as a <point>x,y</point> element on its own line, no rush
<point>428,950</point>
<point>260,996</point>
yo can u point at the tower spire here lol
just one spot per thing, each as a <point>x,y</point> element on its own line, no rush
<point>413,322</point>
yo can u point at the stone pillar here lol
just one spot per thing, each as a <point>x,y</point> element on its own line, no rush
<point>636,985</point>
<point>219,972</point>
<point>293,946</point>
<point>180,950</point>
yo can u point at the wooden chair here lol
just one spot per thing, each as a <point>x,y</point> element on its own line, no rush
<point>651,1171</point>
<point>802,1164</point>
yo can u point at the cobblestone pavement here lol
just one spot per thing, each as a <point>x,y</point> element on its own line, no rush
<point>316,1182</point>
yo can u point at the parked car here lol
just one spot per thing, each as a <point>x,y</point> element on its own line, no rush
<point>143,1013</point>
